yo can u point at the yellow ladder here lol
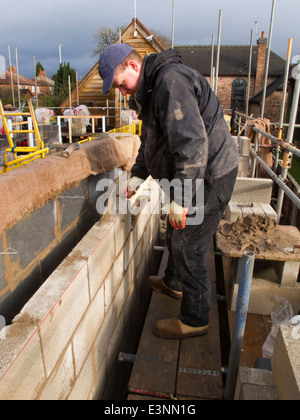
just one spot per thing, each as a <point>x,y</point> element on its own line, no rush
<point>33,152</point>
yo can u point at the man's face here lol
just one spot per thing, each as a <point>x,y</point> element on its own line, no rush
<point>127,80</point>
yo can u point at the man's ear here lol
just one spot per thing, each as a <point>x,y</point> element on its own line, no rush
<point>133,65</point>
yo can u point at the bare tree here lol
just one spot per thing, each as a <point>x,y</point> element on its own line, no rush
<point>105,36</point>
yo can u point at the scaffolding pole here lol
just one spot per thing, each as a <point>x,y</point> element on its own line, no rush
<point>268,60</point>
<point>218,53</point>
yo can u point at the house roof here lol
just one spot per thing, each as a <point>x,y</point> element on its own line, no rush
<point>234,60</point>
<point>144,32</point>
<point>5,78</point>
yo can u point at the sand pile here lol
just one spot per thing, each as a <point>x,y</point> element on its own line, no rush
<point>252,233</point>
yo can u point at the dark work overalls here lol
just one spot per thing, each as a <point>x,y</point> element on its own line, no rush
<point>185,137</point>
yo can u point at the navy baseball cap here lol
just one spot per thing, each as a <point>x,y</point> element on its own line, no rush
<point>110,58</point>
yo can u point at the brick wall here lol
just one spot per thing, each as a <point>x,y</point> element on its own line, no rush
<point>273,102</point>
<point>64,343</point>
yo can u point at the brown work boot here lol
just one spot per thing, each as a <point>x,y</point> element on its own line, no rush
<point>174,328</point>
<point>158,284</point>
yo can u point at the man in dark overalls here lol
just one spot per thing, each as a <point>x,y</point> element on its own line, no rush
<point>185,138</point>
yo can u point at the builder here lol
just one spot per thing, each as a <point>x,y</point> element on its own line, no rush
<point>184,137</point>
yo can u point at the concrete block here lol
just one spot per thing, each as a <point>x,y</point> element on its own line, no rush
<point>244,167</point>
<point>59,384</point>
<point>233,212</point>
<point>87,330</point>
<point>252,190</point>
<point>287,272</point>
<point>122,294</point>
<point>104,336</point>
<point>262,296</point>
<point>31,235</point>
<point>239,209</point>
<point>121,232</point>
<point>22,371</point>
<point>98,247</point>
<point>286,363</point>
<point>113,280</point>
<point>258,210</point>
<point>129,249</point>
<point>247,211</point>
<point>99,385</point>
<point>115,341</point>
<point>244,146</point>
<point>255,385</point>
<point>72,204</point>
<point>269,211</point>
<point>83,383</point>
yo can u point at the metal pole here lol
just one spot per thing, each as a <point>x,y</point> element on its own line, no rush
<point>212,82</point>
<point>173,25</point>
<point>77,90</point>
<point>35,84</point>
<point>11,77</point>
<point>18,79</point>
<point>70,92</point>
<point>59,51</point>
<point>239,323</point>
<point>268,60</point>
<point>293,117</point>
<point>218,53</point>
<point>293,197</point>
<point>285,85</point>
<point>284,145</point>
<point>249,74</point>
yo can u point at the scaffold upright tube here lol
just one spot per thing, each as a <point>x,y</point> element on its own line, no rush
<point>239,323</point>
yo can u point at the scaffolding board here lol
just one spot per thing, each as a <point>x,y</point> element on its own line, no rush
<point>178,369</point>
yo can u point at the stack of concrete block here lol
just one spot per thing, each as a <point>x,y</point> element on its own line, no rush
<point>283,382</point>
<point>255,385</point>
<point>286,363</point>
<point>64,343</point>
<point>251,196</point>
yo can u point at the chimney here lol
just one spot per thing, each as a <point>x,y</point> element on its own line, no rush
<point>42,73</point>
<point>12,69</point>
<point>261,62</point>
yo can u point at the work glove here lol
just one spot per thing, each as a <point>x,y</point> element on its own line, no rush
<point>177,215</point>
<point>131,186</point>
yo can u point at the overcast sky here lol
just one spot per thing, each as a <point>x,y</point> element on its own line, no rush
<point>38,27</point>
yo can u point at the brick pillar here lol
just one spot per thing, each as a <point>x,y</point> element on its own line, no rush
<point>261,63</point>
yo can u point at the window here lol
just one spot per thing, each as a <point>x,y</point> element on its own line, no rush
<point>238,96</point>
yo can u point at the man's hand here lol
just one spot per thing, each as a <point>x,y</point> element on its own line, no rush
<point>131,186</point>
<point>177,215</point>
